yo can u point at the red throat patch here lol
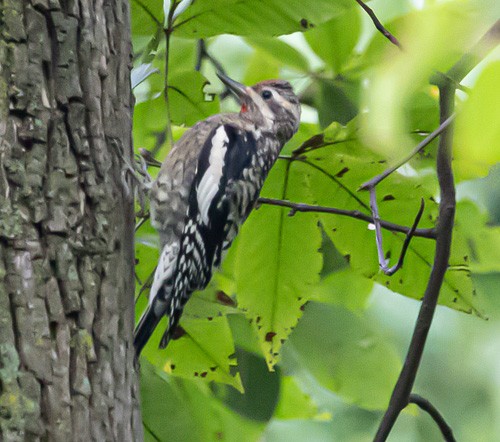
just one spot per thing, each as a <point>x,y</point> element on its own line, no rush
<point>244,108</point>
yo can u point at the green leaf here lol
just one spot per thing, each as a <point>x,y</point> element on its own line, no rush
<point>189,408</point>
<point>396,76</point>
<point>188,101</point>
<point>345,166</point>
<point>147,131</point>
<point>147,16</point>
<point>476,246</point>
<point>261,66</point>
<point>477,138</point>
<point>281,52</point>
<point>255,17</point>
<point>334,40</point>
<point>337,100</point>
<point>205,351</point>
<point>277,261</point>
<point>345,288</point>
<point>344,354</point>
<point>294,403</point>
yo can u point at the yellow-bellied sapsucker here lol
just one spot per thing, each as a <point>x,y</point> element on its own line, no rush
<point>205,190</point>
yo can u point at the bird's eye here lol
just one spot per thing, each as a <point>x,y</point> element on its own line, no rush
<point>266,95</point>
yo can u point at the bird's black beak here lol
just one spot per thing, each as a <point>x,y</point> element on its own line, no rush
<point>238,89</point>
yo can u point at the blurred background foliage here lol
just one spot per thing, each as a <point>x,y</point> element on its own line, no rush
<point>299,336</point>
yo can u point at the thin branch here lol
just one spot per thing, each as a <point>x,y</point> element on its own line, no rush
<point>470,59</point>
<point>380,27</point>
<point>444,228</point>
<point>300,207</point>
<point>425,142</point>
<point>433,412</point>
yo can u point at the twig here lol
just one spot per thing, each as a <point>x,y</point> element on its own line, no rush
<point>356,214</point>
<point>425,405</point>
<point>404,385</point>
<point>426,141</point>
<point>383,262</point>
<point>380,27</point>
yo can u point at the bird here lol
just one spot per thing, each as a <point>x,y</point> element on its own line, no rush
<point>206,188</point>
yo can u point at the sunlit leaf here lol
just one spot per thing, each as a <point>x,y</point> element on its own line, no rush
<point>344,354</point>
<point>477,138</point>
<point>188,101</point>
<point>254,17</point>
<point>277,262</point>
<point>334,40</point>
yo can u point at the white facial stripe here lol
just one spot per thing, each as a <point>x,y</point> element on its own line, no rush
<point>262,105</point>
<point>295,110</point>
<point>209,184</point>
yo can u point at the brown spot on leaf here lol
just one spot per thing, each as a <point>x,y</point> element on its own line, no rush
<point>225,299</point>
<point>270,336</point>
<point>210,318</point>
<point>213,368</point>
<point>388,198</point>
<point>257,319</point>
<point>172,366</point>
<point>204,374</point>
<point>196,374</point>
<point>347,258</point>
<point>341,173</point>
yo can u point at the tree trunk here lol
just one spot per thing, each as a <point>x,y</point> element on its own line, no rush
<point>66,223</point>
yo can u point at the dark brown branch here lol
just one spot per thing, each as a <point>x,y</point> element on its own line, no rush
<point>425,142</point>
<point>299,207</point>
<point>402,390</point>
<point>425,405</point>
<point>380,27</point>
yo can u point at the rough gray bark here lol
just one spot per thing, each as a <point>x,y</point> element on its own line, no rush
<point>66,223</point>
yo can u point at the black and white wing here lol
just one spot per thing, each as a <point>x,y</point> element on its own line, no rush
<point>220,199</point>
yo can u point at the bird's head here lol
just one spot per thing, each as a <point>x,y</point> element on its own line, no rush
<point>270,104</point>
